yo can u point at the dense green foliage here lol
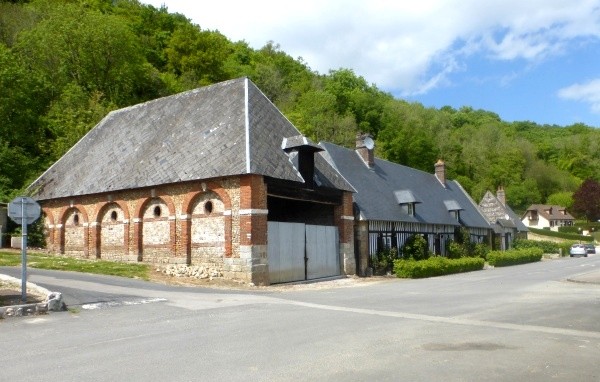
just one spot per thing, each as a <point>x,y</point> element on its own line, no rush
<point>383,261</point>
<point>436,266</point>
<point>64,64</point>
<point>514,257</point>
<point>560,235</point>
<point>462,246</point>
<point>545,245</point>
<point>415,248</point>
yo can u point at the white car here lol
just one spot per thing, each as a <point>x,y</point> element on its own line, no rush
<point>578,250</point>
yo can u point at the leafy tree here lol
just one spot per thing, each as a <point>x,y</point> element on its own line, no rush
<point>13,19</point>
<point>96,51</point>
<point>22,100</point>
<point>316,115</point>
<point>586,200</point>
<point>522,195</point>
<point>563,198</point>
<point>279,76</point>
<point>71,116</point>
<point>198,55</point>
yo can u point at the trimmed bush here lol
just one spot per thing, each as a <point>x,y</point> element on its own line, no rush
<point>514,257</point>
<point>545,246</point>
<point>561,235</point>
<point>436,266</point>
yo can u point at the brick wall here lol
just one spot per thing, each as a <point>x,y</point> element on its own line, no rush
<point>220,224</point>
<point>344,219</point>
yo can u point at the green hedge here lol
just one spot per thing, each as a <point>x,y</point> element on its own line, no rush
<point>561,235</point>
<point>544,245</point>
<point>514,257</point>
<point>436,266</point>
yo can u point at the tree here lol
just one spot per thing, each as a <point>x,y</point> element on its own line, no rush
<point>71,116</point>
<point>315,115</point>
<point>564,199</point>
<point>96,51</point>
<point>198,55</point>
<point>586,200</point>
<point>23,99</point>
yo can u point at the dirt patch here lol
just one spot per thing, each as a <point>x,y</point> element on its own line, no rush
<point>221,283</point>
<point>216,282</point>
<point>10,294</point>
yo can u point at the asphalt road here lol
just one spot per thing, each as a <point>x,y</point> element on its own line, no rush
<point>507,324</point>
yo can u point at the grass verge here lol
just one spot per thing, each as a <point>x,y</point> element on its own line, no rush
<point>61,263</point>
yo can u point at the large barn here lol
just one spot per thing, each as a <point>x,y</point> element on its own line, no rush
<point>215,177</point>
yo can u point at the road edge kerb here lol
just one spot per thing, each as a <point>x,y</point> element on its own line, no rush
<point>53,301</point>
<point>592,277</point>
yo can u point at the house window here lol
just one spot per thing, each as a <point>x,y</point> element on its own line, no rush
<point>157,211</point>
<point>408,208</point>
<point>76,219</point>
<point>456,215</point>
<point>113,216</point>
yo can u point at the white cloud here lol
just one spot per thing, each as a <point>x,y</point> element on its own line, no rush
<point>588,92</point>
<point>407,47</point>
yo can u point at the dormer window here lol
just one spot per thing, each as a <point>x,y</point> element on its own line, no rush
<point>407,201</point>
<point>453,208</point>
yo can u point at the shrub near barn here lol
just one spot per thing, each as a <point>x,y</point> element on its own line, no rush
<point>417,261</point>
<point>514,257</point>
<point>436,266</point>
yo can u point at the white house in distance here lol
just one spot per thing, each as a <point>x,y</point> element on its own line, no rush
<point>547,216</point>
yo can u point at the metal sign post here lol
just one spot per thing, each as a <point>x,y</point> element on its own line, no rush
<point>23,210</point>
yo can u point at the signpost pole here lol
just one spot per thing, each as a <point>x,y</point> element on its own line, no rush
<point>23,253</point>
<point>24,210</point>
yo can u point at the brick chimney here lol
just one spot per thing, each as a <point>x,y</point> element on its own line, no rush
<point>364,148</point>
<point>501,195</point>
<point>440,171</point>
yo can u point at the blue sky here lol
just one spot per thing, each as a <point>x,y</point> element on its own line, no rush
<point>536,60</point>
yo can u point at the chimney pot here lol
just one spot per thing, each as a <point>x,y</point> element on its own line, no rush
<point>364,148</point>
<point>440,171</point>
<point>501,195</point>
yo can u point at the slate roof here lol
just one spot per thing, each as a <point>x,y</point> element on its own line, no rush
<point>498,213</point>
<point>226,129</point>
<point>377,191</point>
<point>554,214</point>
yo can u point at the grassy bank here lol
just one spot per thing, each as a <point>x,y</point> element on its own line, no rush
<point>61,263</point>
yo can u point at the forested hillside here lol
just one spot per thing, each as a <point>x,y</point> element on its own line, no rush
<point>64,64</point>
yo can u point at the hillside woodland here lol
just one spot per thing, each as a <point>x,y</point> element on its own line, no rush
<point>64,64</point>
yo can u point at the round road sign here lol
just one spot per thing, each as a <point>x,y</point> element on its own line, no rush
<point>23,208</point>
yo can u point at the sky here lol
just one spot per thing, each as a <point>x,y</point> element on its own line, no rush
<point>525,60</point>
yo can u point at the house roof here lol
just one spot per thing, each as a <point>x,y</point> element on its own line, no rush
<point>226,129</point>
<point>498,213</point>
<point>381,189</point>
<point>551,212</point>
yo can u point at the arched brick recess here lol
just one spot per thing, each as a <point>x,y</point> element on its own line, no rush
<point>188,205</point>
<point>155,227</point>
<point>111,231</point>
<point>207,232</point>
<point>74,239</point>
